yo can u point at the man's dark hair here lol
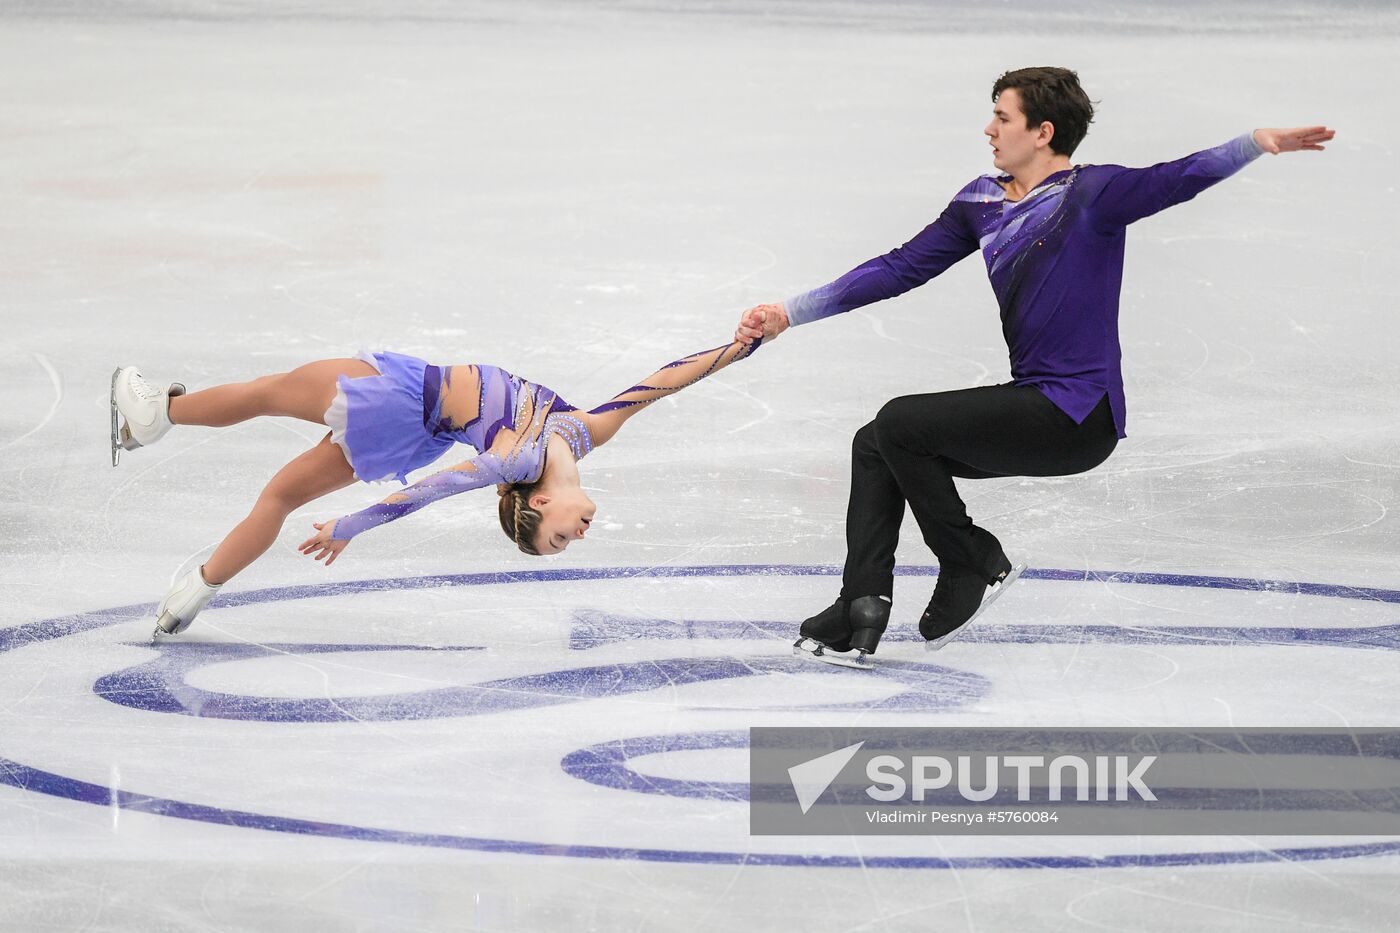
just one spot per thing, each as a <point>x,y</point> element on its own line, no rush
<point>1053,95</point>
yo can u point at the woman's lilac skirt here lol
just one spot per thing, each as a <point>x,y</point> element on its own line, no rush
<point>378,421</point>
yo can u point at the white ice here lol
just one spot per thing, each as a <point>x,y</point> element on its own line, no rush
<point>580,193</point>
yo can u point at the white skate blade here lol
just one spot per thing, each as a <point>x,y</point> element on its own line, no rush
<point>121,433</point>
<point>993,593</point>
<point>811,648</point>
<point>116,435</point>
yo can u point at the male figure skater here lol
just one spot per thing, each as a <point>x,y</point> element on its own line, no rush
<point>1051,234</point>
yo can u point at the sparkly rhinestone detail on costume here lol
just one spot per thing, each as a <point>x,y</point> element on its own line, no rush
<point>574,432</point>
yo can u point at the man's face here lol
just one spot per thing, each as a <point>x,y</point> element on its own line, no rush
<point>1013,143</point>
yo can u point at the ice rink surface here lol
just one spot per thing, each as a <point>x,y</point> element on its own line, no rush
<point>439,733</point>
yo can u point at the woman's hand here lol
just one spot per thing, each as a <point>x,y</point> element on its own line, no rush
<point>1299,138</point>
<point>322,543</point>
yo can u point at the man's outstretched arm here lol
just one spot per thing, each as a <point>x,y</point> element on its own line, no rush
<point>931,251</point>
<point>1130,194</point>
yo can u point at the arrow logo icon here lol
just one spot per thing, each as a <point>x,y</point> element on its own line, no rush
<point>811,778</point>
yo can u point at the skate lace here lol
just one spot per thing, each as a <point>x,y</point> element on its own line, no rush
<point>144,389</point>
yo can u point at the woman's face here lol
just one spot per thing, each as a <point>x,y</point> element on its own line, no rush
<point>564,518</point>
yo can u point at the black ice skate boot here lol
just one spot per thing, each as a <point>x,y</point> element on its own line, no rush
<point>831,627</point>
<point>961,596</point>
<point>844,633</point>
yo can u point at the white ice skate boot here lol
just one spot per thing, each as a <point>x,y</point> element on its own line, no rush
<point>186,598</point>
<point>145,408</point>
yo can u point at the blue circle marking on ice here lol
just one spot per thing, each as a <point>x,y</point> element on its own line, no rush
<point>33,779</point>
<point>611,763</point>
<point>161,685</point>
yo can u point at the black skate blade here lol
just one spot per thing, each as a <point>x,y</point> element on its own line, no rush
<point>811,648</point>
<point>993,594</point>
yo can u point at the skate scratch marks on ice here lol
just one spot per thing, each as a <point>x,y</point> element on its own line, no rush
<point>822,479</point>
<point>53,409</point>
<point>133,477</point>
<point>878,326</point>
<point>1205,358</point>
<point>1386,466</point>
<point>771,262</point>
<point>181,569</point>
<point>1313,536</point>
<point>767,409</point>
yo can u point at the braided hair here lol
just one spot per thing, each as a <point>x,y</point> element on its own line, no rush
<point>520,522</point>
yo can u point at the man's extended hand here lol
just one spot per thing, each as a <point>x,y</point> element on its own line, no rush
<point>1297,139</point>
<point>766,321</point>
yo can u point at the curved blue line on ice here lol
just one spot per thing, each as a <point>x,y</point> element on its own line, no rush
<point>43,782</point>
<point>25,777</point>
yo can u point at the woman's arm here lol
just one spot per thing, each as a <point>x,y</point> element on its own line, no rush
<point>483,470</point>
<point>605,420</point>
<point>516,456</point>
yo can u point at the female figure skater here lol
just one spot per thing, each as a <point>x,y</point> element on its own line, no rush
<point>390,414</point>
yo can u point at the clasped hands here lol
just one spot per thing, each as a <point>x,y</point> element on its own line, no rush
<point>766,321</point>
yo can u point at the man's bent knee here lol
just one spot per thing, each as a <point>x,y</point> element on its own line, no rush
<point>864,444</point>
<point>899,420</point>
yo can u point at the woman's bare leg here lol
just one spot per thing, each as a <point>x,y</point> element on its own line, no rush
<point>318,472</point>
<point>304,393</point>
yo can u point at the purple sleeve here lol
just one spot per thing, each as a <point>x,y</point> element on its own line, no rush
<point>931,251</point>
<point>1130,194</point>
<point>485,470</point>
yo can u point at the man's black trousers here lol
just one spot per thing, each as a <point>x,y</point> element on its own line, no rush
<point>918,443</point>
